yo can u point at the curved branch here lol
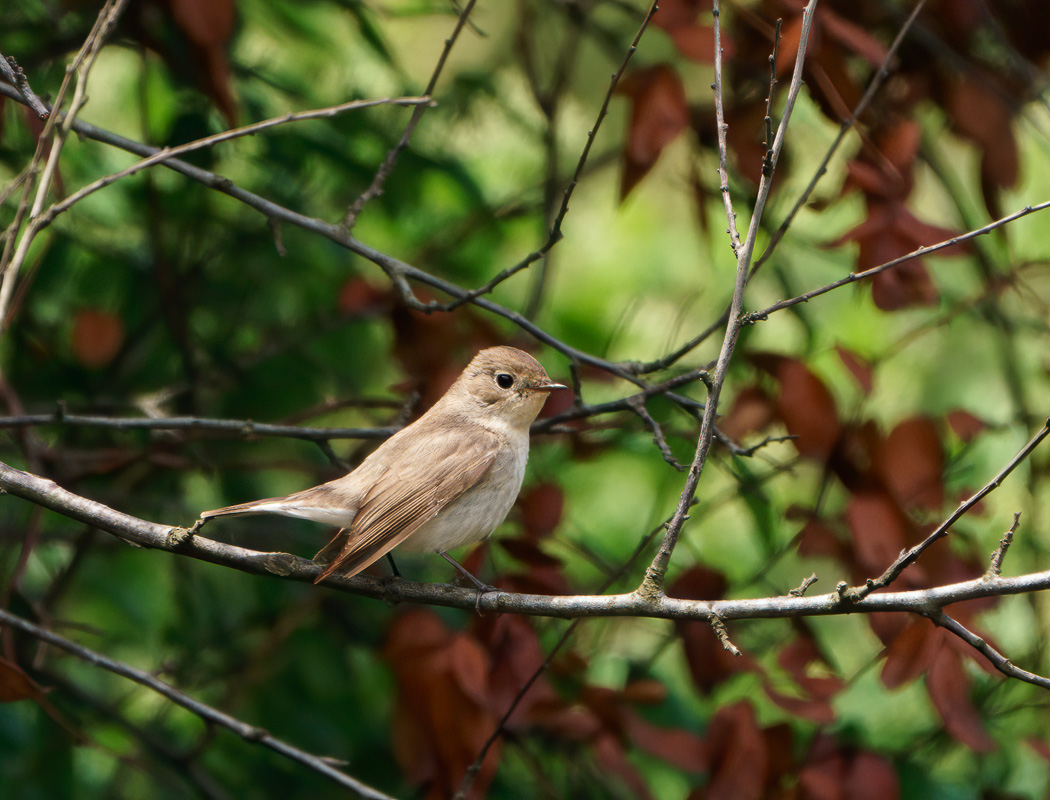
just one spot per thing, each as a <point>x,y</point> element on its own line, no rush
<point>146,534</point>
<point>249,733</point>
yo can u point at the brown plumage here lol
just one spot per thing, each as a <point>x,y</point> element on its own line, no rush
<point>447,480</point>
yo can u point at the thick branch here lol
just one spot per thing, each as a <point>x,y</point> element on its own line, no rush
<point>151,535</point>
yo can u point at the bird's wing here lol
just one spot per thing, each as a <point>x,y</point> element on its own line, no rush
<point>425,480</point>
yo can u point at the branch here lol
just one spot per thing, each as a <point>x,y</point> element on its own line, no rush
<point>844,127</point>
<point>909,557</point>
<point>14,75</point>
<point>398,272</point>
<point>720,121</point>
<point>998,660</point>
<point>652,585</point>
<point>853,277</point>
<point>249,733</point>
<point>376,187</point>
<point>11,262</point>
<point>241,427</point>
<point>634,604</point>
<point>555,234</point>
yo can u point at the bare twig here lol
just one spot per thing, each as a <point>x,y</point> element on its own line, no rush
<point>239,427</point>
<point>376,187</point>
<point>723,173</point>
<point>12,260</point>
<point>398,272</point>
<point>14,75</point>
<point>803,587</point>
<point>999,661</point>
<point>718,625</point>
<point>996,567</point>
<point>873,86</point>
<point>555,234</point>
<point>249,733</point>
<point>853,277</point>
<point>910,556</point>
<point>844,127</point>
<point>41,220</point>
<point>638,407</point>
<point>652,585</point>
<point>767,160</point>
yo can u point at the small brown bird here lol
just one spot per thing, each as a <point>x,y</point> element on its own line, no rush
<point>447,480</point>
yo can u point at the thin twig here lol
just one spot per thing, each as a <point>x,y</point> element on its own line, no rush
<point>555,234</point>
<point>910,556</point>
<point>12,260</point>
<point>853,277</point>
<point>398,272</point>
<point>723,173</point>
<point>249,733</point>
<point>767,160</point>
<point>16,77</point>
<point>45,218</point>
<point>376,187</point>
<point>652,585</point>
<point>873,86</point>
<point>637,405</point>
<point>844,127</point>
<point>996,567</point>
<point>998,660</point>
<point>239,427</point>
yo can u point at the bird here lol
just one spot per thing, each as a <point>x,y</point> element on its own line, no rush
<point>447,480</point>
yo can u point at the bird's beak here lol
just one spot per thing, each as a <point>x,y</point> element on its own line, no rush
<point>549,387</point>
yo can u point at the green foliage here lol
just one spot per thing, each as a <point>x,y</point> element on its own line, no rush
<point>160,296</point>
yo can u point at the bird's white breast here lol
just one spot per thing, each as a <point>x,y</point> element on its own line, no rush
<point>478,511</point>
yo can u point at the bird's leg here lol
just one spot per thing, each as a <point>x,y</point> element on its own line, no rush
<point>179,536</point>
<point>393,565</point>
<point>481,587</point>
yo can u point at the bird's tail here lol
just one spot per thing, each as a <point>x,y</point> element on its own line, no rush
<point>271,505</point>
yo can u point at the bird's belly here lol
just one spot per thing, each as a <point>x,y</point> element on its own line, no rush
<point>476,513</point>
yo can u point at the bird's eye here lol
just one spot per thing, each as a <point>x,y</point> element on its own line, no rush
<point>504,381</point>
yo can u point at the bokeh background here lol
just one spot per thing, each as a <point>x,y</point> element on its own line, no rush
<point>161,297</point>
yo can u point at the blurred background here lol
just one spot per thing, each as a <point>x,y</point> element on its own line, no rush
<point>159,297</point>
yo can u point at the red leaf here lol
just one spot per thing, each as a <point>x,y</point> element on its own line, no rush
<point>681,749</point>
<point>879,531</point>
<point>541,508</point>
<point>15,684</point>
<point>648,692</point>
<point>965,425</point>
<point>798,658</point>
<point>858,367</point>
<point>659,113</point>
<point>817,539</point>
<point>738,755</point>
<point>208,25</point>
<point>359,297</point>
<point>910,463</point>
<point>751,411</point>
<point>872,777</point>
<point>675,13</point>
<point>949,689</point>
<point>97,337</point>
<point>808,410</point>
<point>610,754</point>
<point>443,715</point>
<point>910,653</point>
<point>529,552</point>
<point>979,112</point>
